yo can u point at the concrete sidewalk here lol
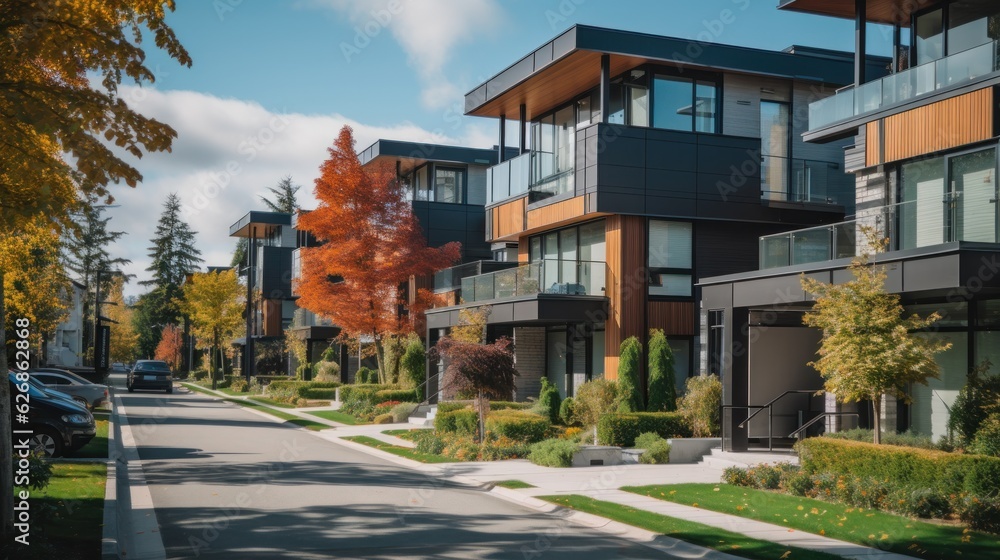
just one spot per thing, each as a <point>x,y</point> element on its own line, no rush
<point>601,483</point>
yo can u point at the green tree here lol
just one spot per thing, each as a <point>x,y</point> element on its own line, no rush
<point>214,302</point>
<point>124,343</point>
<point>629,391</point>
<point>85,252</point>
<point>413,365</point>
<point>173,256</point>
<point>869,349</point>
<point>662,381</point>
<point>50,53</point>
<point>549,400</point>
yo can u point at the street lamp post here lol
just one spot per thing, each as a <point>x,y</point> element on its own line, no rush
<point>102,342</point>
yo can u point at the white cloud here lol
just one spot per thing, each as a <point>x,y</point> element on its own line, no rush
<point>227,153</point>
<point>428,30</point>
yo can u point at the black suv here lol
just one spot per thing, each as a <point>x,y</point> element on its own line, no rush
<point>58,426</point>
<point>150,374</point>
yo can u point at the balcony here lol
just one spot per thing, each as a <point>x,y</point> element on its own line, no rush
<point>815,182</point>
<point>508,179</point>
<point>554,277</point>
<point>450,279</point>
<point>907,225</point>
<point>903,86</point>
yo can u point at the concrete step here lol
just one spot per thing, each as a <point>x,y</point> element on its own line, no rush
<point>719,459</point>
<point>423,415</point>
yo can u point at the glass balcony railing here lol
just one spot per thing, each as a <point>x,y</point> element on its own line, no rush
<point>553,185</point>
<point>903,86</point>
<point>450,279</point>
<point>907,225</point>
<point>802,180</point>
<point>573,278</point>
<point>508,179</point>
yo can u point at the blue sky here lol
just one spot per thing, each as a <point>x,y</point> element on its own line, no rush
<point>273,81</point>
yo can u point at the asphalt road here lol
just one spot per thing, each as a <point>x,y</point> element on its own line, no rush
<point>226,483</point>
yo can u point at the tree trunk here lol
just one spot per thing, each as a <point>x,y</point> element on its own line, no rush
<point>6,465</point>
<point>379,359</point>
<point>877,409</point>
<point>481,409</point>
<point>211,360</point>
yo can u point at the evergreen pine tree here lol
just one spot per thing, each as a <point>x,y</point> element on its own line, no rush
<point>174,256</point>
<point>284,201</point>
<point>662,383</point>
<point>629,391</point>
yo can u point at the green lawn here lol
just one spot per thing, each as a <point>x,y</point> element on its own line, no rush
<point>290,418</point>
<point>96,448</point>
<point>67,515</point>
<point>689,531</point>
<point>514,484</point>
<point>866,527</point>
<point>337,416</point>
<point>399,450</point>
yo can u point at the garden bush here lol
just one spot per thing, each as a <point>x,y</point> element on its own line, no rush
<point>902,467</point>
<point>549,400</point>
<point>383,419</point>
<point>518,425</point>
<point>974,404</point>
<point>384,407</point>
<point>412,366</point>
<point>701,403</point>
<point>566,411</point>
<point>982,514</point>
<point>656,450</point>
<point>496,448</point>
<point>451,406</point>
<point>199,374</point>
<point>464,421</point>
<point>402,412</point>
<point>326,371</point>
<point>629,391</point>
<point>737,476</point>
<point>268,379</point>
<point>317,393</point>
<point>622,429</point>
<point>401,395</point>
<point>284,386</point>
<point>662,379</point>
<point>594,399</point>
<point>366,376</point>
<point>427,442</point>
<point>553,453</point>
<point>906,439</point>
<point>987,439</point>
<point>509,405</point>
<point>239,385</point>
<point>356,390</point>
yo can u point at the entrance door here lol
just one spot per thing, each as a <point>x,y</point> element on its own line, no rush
<point>974,196</point>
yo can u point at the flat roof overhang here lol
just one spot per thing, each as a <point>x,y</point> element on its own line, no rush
<point>950,269</point>
<point>537,310</point>
<point>414,154</point>
<point>570,65</point>
<point>259,224</point>
<point>877,11</point>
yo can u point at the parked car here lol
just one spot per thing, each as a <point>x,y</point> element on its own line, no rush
<point>58,425</point>
<point>90,394</point>
<point>118,367</point>
<point>150,374</point>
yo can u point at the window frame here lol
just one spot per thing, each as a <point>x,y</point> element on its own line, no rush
<point>653,273</point>
<point>462,175</point>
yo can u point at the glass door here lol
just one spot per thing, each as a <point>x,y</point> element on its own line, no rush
<point>974,196</point>
<point>774,150</point>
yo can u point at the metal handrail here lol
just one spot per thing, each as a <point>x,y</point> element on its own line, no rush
<point>819,417</point>
<point>776,399</point>
<point>722,423</point>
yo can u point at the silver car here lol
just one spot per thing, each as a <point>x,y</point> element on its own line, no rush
<point>90,394</point>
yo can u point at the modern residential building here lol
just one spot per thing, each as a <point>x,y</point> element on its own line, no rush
<point>644,162</point>
<point>923,148</point>
<point>64,346</point>
<point>447,190</point>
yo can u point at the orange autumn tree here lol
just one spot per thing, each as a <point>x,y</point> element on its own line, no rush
<point>169,348</point>
<point>371,245</point>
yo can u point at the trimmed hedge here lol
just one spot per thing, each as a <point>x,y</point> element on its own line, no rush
<point>451,406</point>
<point>622,429</point>
<point>518,425</point>
<point>948,473</point>
<point>401,395</point>
<point>508,405</point>
<point>268,379</point>
<point>553,453</point>
<point>464,421</point>
<point>349,391</point>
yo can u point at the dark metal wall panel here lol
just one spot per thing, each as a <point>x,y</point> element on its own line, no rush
<point>276,272</point>
<point>463,223</point>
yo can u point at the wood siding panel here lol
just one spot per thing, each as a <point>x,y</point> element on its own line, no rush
<point>873,144</point>
<point>676,318</point>
<point>272,317</point>
<point>939,126</point>
<point>555,213</point>
<point>625,240</point>
<point>523,255</point>
<point>508,219</point>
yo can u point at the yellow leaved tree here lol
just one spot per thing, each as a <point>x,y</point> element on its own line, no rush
<point>214,303</point>
<point>35,286</point>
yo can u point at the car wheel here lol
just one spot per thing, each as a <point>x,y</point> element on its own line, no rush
<point>48,442</point>
<point>130,389</point>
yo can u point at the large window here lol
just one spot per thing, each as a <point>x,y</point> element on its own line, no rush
<point>775,143</point>
<point>954,28</point>
<point>448,184</point>
<point>950,198</point>
<point>571,260</point>
<point>670,258</point>
<point>553,144</point>
<point>684,104</point>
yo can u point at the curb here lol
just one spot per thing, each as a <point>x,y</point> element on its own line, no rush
<point>138,530</point>
<point>109,535</point>
<point>229,398</point>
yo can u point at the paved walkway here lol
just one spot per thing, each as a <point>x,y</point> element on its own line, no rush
<point>601,483</point>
